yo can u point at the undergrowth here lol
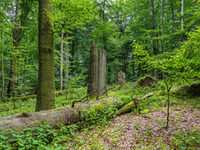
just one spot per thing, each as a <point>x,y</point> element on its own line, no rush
<point>47,138</point>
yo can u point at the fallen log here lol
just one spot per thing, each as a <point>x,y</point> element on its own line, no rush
<point>53,117</point>
<point>131,105</point>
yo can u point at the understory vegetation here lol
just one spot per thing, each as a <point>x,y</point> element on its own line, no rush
<point>102,129</point>
<point>118,74</point>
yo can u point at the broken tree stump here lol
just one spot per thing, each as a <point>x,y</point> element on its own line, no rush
<point>93,72</point>
<point>102,73</point>
<point>121,78</point>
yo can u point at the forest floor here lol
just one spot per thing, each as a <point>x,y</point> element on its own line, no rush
<point>130,131</point>
<point>147,131</point>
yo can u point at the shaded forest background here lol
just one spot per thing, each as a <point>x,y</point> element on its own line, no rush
<point>160,26</point>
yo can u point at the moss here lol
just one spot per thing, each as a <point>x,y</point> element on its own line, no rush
<point>125,109</point>
<point>146,81</point>
<point>145,111</point>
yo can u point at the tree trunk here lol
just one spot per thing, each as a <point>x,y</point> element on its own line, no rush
<point>102,72</point>
<point>13,59</point>
<point>133,67</point>
<point>93,72</point>
<point>182,20</point>
<point>53,117</point>
<point>2,67</point>
<point>67,65</point>
<point>162,23</point>
<point>61,61</point>
<point>154,27</point>
<point>172,9</point>
<point>46,85</point>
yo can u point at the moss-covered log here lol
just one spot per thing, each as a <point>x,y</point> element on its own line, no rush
<point>53,117</point>
<point>125,109</point>
<point>132,105</point>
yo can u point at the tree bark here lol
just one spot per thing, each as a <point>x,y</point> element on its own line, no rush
<point>46,85</point>
<point>162,23</point>
<point>13,59</point>
<point>67,65</point>
<point>53,117</point>
<point>93,72</point>
<point>182,20</point>
<point>102,72</point>
<point>154,27</point>
<point>2,67</point>
<point>61,61</point>
<point>172,9</point>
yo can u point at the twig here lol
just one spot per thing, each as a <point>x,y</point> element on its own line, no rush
<point>73,103</point>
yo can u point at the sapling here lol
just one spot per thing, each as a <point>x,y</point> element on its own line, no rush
<point>168,88</point>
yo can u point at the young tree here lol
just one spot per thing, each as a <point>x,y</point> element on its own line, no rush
<point>46,85</point>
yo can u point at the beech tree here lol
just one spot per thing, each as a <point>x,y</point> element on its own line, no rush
<point>46,85</point>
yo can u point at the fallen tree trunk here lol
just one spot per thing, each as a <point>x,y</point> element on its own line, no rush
<point>53,117</point>
<point>130,106</point>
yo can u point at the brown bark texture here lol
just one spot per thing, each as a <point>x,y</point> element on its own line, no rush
<point>61,61</point>
<point>121,78</point>
<point>102,73</point>
<point>66,70</point>
<point>46,85</point>
<point>54,117</point>
<point>93,71</point>
<point>14,54</point>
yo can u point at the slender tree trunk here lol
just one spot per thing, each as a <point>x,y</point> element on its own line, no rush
<point>46,85</point>
<point>13,59</point>
<point>172,9</point>
<point>182,19</point>
<point>67,65</point>
<point>61,61</point>
<point>109,75</point>
<point>162,23</point>
<point>2,67</point>
<point>133,66</point>
<point>154,27</point>
<point>93,72</point>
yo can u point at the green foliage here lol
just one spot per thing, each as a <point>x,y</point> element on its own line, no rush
<point>147,81</point>
<point>186,140</point>
<point>29,138</point>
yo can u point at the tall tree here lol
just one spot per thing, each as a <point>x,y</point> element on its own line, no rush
<point>154,27</point>
<point>182,19</point>
<point>61,60</point>
<point>162,24</point>
<point>13,61</point>
<point>2,67</point>
<point>46,84</point>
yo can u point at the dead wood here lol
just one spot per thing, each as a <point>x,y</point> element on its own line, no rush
<point>66,115</point>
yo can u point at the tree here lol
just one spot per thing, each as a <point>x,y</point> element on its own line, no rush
<point>14,54</point>
<point>46,85</point>
<point>93,71</point>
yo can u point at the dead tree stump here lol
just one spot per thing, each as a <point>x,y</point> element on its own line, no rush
<point>121,78</point>
<point>102,72</point>
<point>93,72</point>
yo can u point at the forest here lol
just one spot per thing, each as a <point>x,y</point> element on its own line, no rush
<point>100,74</point>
